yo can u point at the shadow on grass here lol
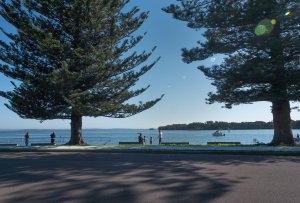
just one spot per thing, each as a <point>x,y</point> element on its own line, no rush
<point>106,177</point>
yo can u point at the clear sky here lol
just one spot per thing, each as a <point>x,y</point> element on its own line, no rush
<point>184,86</point>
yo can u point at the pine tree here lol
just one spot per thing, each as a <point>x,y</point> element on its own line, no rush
<point>70,59</point>
<point>261,43</point>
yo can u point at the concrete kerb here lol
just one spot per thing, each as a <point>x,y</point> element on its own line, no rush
<point>278,150</point>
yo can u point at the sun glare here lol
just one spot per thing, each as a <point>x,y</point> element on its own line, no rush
<point>288,13</point>
<point>265,27</point>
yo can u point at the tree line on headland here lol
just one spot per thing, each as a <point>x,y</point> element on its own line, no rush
<point>220,125</point>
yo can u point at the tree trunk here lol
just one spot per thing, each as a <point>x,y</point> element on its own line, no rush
<point>282,123</point>
<point>76,130</point>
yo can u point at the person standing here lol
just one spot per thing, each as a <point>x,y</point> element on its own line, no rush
<point>26,138</point>
<point>52,137</point>
<point>160,135</point>
<point>140,138</point>
<point>150,139</point>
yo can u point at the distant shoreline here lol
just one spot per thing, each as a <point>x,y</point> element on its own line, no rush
<point>223,130</point>
<point>221,125</point>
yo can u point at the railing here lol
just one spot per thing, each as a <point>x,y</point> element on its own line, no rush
<point>11,140</point>
<point>20,141</point>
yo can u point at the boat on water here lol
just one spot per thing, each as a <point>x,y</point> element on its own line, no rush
<point>218,133</point>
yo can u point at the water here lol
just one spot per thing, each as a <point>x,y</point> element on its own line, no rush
<point>114,136</point>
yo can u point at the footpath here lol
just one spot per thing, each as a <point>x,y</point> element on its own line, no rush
<point>260,149</point>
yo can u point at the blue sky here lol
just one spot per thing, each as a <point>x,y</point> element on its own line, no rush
<point>184,86</point>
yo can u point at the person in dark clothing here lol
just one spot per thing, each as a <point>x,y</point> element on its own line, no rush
<point>52,137</point>
<point>140,138</point>
<point>26,138</point>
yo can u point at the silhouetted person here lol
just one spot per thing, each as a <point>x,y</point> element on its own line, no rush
<point>140,138</point>
<point>26,138</point>
<point>52,137</point>
<point>150,139</point>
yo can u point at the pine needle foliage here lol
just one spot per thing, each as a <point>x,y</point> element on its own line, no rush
<point>73,58</point>
<point>261,43</point>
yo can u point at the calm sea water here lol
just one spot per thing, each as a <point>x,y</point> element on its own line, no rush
<point>114,136</point>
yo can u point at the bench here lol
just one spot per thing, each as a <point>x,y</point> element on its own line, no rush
<point>41,144</point>
<point>130,143</point>
<point>175,143</point>
<point>8,145</point>
<point>224,143</point>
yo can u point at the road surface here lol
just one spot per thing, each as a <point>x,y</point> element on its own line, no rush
<point>145,178</point>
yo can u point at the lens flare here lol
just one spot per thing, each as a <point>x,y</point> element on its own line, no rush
<point>260,30</point>
<point>288,13</point>
<point>265,27</point>
<point>273,21</point>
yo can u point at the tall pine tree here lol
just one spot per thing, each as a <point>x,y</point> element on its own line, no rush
<point>261,41</point>
<point>73,59</point>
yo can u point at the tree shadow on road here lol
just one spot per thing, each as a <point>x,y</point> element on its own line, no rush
<point>106,177</point>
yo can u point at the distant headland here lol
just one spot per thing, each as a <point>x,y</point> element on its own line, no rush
<point>214,125</point>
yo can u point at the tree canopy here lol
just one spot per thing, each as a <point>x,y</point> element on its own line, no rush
<point>261,43</point>
<point>70,59</point>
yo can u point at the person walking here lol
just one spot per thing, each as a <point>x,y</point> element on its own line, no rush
<point>26,138</point>
<point>160,135</point>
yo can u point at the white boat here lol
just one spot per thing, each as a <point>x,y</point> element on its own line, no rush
<point>218,133</point>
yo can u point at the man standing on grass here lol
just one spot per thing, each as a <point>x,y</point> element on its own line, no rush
<point>140,138</point>
<point>26,138</point>
<point>52,138</point>
<point>160,135</point>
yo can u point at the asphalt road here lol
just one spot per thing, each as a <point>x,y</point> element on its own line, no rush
<point>140,178</point>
